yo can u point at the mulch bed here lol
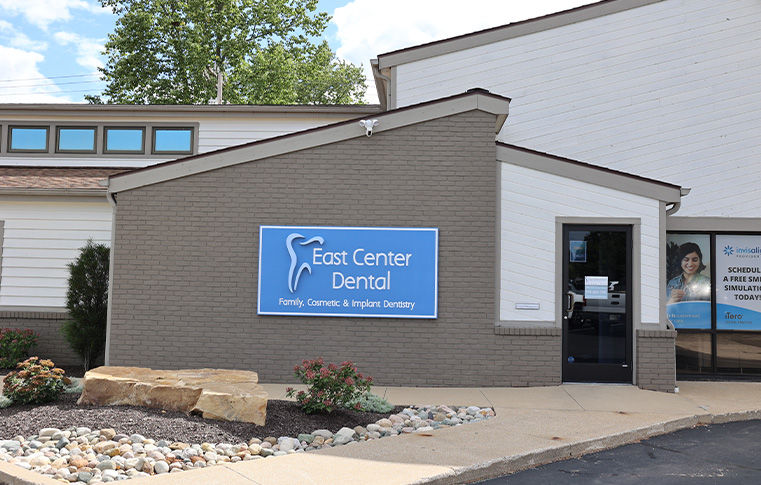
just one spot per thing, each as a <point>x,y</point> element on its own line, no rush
<point>284,418</point>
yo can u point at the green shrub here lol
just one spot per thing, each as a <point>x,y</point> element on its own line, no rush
<point>4,402</point>
<point>87,302</point>
<point>329,386</point>
<point>36,381</point>
<point>15,345</point>
<point>75,387</point>
<point>372,403</point>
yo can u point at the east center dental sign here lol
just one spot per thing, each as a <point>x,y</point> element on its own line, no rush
<point>348,271</point>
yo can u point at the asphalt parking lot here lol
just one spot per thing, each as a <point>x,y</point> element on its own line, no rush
<point>718,453</point>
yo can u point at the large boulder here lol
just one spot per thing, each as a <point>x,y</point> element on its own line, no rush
<point>229,395</point>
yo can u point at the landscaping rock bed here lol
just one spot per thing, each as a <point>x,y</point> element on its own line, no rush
<point>102,444</point>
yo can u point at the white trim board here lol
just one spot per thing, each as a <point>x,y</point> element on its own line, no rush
<point>585,172</point>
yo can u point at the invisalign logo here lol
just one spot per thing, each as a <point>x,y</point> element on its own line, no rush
<point>728,250</point>
<point>293,282</point>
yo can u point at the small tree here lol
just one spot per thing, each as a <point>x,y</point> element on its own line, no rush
<point>87,302</point>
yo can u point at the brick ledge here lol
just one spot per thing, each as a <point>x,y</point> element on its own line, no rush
<point>33,315</point>
<point>529,331</point>
<point>656,333</point>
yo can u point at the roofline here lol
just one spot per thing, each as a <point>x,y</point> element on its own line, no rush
<point>585,172</point>
<point>7,109</point>
<point>66,167</point>
<point>99,192</point>
<point>475,99</point>
<point>508,31</point>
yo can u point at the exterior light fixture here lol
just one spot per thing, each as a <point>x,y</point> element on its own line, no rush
<point>368,125</point>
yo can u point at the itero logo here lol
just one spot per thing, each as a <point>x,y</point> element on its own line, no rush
<point>293,279</point>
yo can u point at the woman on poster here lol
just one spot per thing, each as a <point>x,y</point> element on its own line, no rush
<point>690,285</point>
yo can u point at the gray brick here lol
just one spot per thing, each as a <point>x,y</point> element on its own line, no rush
<point>186,263</point>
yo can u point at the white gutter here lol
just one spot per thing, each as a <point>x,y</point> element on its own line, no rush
<point>384,95</point>
<point>112,201</point>
<point>676,205</point>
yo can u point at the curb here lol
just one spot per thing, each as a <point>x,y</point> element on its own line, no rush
<point>734,416</point>
<point>516,463</point>
<point>15,475</point>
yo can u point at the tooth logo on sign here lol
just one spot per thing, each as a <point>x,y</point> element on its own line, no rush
<point>293,282</point>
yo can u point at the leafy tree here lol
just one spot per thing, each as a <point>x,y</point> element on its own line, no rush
<point>87,302</point>
<point>172,51</point>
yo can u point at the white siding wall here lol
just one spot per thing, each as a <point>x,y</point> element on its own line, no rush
<point>531,200</point>
<point>41,235</point>
<point>668,91</point>
<point>221,133</point>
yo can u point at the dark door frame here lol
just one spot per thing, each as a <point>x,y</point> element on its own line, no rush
<point>622,373</point>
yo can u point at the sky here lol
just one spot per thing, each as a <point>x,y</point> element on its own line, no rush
<point>50,50</point>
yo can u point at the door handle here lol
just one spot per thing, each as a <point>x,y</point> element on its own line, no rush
<point>569,307</point>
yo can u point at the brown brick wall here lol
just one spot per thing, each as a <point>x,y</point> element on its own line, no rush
<point>50,344</point>
<point>533,355</point>
<point>186,262</point>
<point>656,360</point>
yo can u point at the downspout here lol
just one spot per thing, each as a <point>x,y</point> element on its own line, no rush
<point>676,205</point>
<point>673,208</point>
<point>385,96</point>
<point>670,211</point>
<point>112,201</point>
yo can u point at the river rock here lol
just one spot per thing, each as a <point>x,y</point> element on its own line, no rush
<point>137,438</point>
<point>106,465</point>
<point>10,445</point>
<point>288,444</point>
<point>84,477</point>
<point>344,435</point>
<point>39,460</point>
<point>46,433</point>
<point>324,433</point>
<point>161,467</point>
<point>306,438</point>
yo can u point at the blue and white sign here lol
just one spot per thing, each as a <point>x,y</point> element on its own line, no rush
<point>738,282</point>
<point>348,271</point>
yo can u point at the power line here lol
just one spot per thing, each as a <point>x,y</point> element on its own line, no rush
<point>47,92</point>
<point>46,78</point>
<point>49,84</point>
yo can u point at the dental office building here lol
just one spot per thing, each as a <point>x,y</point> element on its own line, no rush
<point>526,232</point>
<point>537,221</point>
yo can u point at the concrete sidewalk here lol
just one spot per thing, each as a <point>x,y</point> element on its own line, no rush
<point>532,426</point>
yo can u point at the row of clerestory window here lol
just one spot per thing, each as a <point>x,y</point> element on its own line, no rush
<point>163,140</point>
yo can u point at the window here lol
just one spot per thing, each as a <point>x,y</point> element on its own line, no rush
<point>28,138</point>
<point>738,353</point>
<point>716,277</point>
<point>124,140</point>
<point>172,140</point>
<point>78,140</point>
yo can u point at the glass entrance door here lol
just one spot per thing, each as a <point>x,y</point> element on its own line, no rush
<point>597,315</point>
